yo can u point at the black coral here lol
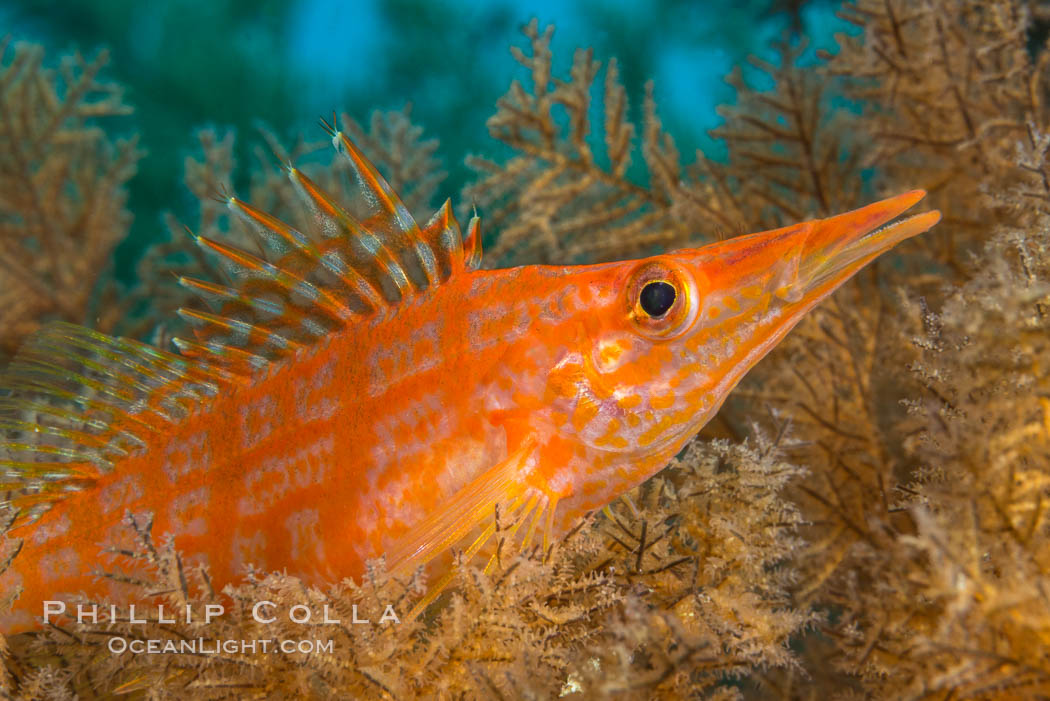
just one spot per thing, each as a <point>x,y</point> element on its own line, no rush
<point>61,187</point>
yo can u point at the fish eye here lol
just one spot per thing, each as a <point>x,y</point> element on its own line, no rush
<point>657,297</point>
<point>662,298</point>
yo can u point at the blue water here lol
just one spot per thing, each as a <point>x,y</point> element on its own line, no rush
<point>232,63</point>
<point>343,48</point>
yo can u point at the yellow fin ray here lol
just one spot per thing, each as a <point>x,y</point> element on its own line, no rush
<point>74,400</point>
<point>458,516</point>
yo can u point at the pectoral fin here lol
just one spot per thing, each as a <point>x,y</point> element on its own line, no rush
<point>467,509</point>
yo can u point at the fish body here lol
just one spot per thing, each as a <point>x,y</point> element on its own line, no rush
<point>422,393</point>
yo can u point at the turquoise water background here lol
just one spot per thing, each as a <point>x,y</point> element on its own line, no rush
<point>231,63</point>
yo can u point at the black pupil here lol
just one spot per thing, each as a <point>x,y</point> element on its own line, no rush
<point>656,298</point>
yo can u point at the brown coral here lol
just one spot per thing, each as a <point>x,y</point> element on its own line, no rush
<point>558,200</point>
<point>61,187</point>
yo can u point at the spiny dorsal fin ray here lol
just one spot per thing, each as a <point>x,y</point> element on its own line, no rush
<point>293,286</point>
<point>73,400</point>
<point>318,255</point>
<point>242,333</point>
<point>472,244</point>
<point>369,252</point>
<point>241,363</point>
<point>442,235</point>
<point>328,275</point>
<point>270,313</point>
<point>388,218</point>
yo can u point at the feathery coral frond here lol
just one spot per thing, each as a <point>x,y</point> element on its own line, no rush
<point>559,200</point>
<point>61,187</point>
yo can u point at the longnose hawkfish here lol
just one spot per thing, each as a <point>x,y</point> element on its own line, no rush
<point>364,388</point>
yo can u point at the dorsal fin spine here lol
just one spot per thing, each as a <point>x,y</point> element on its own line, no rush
<point>290,282</point>
<point>387,201</point>
<point>270,309</point>
<point>443,237</point>
<point>228,294</point>
<point>325,207</point>
<point>450,237</point>
<point>330,259</point>
<point>390,266</point>
<point>373,182</point>
<point>472,244</point>
<point>256,334</point>
<point>238,363</point>
<point>334,262</point>
<point>261,221</point>
<point>426,257</point>
<point>340,269</point>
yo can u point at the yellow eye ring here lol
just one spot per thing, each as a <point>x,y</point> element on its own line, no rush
<point>662,299</point>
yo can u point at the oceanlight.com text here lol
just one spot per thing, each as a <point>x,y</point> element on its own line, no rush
<point>201,646</point>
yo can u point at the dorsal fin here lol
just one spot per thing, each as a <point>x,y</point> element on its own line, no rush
<point>73,400</point>
<point>342,268</point>
<point>472,246</point>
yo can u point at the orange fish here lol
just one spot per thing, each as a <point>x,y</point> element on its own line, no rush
<point>367,390</point>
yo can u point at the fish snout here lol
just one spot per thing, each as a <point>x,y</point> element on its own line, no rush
<point>801,264</point>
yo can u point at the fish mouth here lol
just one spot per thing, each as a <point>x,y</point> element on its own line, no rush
<point>836,248</point>
<point>773,278</point>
